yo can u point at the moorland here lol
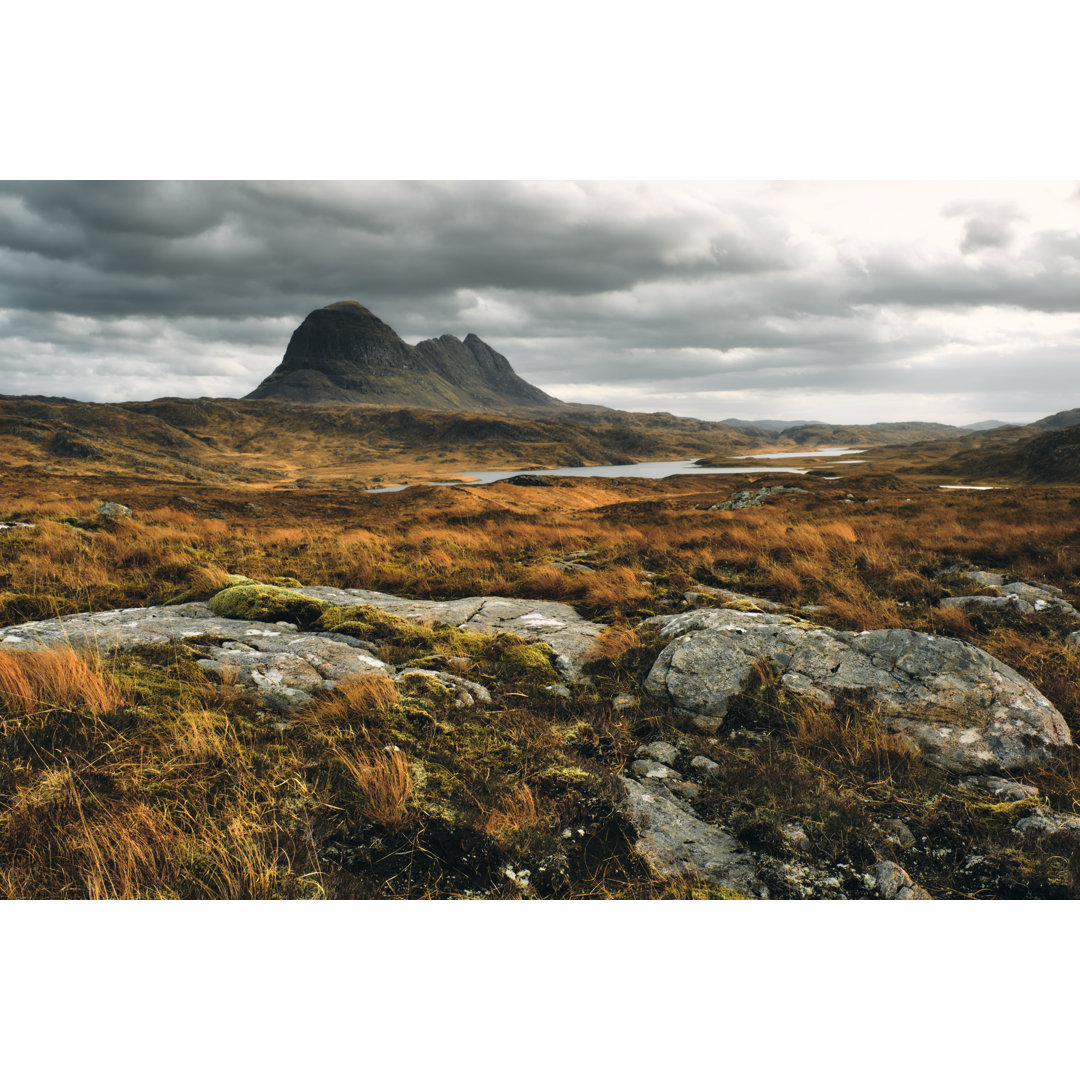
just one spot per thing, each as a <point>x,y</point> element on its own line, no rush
<point>288,692</point>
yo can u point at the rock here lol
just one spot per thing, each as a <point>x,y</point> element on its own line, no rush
<point>1043,824</point>
<point>678,843</point>
<point>113,510</point>
<point>740,500</point>
<point>704,765</point>
<point>469,692</point>
<point>17,525</point>
<point>727,596</point>
<point>999,789</point>
<point>795,835</point>
<point>894,831</point>
<point>658,751</point>
<point>571,637</point>
<point>281,667</point>
<point>894,883</point>
<point>961,708</point>
<point>558,690</point>
<point>621,702</point>
<point>977,577</point>
<point>1020,596</point>
<point>654,770</point>
<point>684,789</point>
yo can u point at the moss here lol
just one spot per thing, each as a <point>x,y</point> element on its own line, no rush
<point>267,603</point>
<point>414,682</point>
<point>354,629</point>
<point>678,889</point>
<point>567,774</point>
<point>529,662</point>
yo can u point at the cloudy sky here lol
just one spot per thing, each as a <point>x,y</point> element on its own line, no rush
<point>840,302</point>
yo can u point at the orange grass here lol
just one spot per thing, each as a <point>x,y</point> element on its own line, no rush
<point>38,680</point>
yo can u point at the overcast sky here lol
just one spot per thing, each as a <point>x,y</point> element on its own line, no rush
<point>955,302</point>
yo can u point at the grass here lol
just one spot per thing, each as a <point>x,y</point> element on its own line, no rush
<point>134,776</point>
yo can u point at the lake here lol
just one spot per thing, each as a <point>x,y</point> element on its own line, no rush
<point>651,470</point>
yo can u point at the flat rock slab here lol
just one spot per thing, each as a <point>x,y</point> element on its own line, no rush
<point>964,710</point>
<point>281,666</point>
<point>570,636</point>
<point>677,842</point>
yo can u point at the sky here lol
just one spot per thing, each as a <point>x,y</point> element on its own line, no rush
<point>837,301</point>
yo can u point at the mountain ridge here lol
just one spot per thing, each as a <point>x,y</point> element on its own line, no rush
<point>345,354</point>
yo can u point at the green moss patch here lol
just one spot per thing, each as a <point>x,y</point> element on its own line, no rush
<point>267,603</point>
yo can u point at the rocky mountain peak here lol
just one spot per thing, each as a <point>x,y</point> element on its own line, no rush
<point>345,353</point>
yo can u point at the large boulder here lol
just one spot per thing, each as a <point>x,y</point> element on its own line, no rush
<point>961,708</point>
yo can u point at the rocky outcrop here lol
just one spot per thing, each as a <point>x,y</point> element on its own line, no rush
<point>741,500</point>
<point>275,662</point>
<point>676,841</point>
<point>344,353</point>
<point>962,709</point>
<point>1021,597</point>
<point>282,664</point>
<point>570,636</point>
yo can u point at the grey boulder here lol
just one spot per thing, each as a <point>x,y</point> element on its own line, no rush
<point>962,709</point>
<point>676,842</point>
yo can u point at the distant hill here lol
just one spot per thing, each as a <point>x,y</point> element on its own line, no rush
<point>344,354</point>
<point>769,425</point>
<point>215,440</point>
<point>1059,420</point>
<point>985,425</point>
<point>870,434</point>
<point>1050,457</point>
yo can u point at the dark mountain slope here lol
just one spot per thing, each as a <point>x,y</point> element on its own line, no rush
<point>343,353</point>
<point>1052,457</point>
<point>1068,418</point>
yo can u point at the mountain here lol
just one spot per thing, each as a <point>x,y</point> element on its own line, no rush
<point>985,425</point>
<point>1059,420</point>
<point>344,354</point>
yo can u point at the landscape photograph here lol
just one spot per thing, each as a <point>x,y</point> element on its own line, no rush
<point>543,540</point>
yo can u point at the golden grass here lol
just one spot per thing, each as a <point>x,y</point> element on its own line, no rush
<point>515,812</point>
<point>383,781</point>
<point>56,679</point>
<point>352,700</point>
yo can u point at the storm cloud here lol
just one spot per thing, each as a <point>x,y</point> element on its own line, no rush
<point>846,301</point>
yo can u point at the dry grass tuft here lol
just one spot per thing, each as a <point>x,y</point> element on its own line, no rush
<point>614,642</point>
<point>353,699</point>
<point>59,679</point>
<point>516,812</point>
<point>383,781</point>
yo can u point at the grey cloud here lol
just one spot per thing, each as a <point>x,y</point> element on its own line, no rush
<point>113,291</point>
<point>986,225</point>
